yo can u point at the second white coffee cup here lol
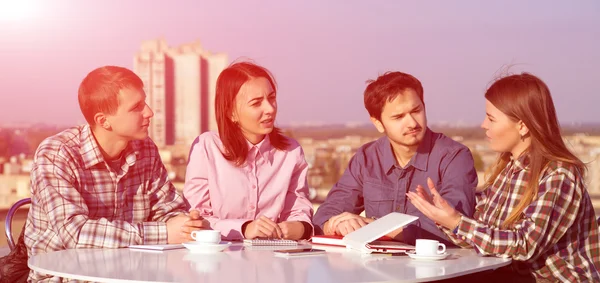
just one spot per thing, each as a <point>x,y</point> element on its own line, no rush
<point>206,236</point>
<point>429,247</point>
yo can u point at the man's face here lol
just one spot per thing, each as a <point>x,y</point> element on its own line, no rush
<point>132,118</point>
<point>403,119</point>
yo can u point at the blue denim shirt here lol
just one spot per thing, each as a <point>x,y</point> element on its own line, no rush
<point>375,183</point>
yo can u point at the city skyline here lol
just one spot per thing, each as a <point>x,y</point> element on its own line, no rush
<point>180,83</point>
<point>321,53</point>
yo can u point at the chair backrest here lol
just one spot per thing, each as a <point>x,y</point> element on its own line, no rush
<point>8,223</point>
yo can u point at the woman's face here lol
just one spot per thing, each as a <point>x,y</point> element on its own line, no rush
<point>255,109</point>
<point>501,131</point>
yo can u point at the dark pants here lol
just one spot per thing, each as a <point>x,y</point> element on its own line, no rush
<point>13,267</point>
<point>501,275</point>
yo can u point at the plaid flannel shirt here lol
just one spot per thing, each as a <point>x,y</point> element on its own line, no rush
<point>79,201</point>
<point>557,236</point>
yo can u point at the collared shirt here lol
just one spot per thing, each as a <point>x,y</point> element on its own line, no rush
<point>271,182</point>
<point>375,183</point>
<point>79,201</point>
<point>557,237</point>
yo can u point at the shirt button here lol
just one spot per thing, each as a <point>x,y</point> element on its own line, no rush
<point>398,208</point>
<point>254,186</point>
<point>251,206</point>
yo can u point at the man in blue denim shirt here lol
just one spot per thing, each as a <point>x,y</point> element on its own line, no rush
<point>383,171</point>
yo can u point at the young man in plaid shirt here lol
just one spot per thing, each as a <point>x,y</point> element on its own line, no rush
<point>103,185</point>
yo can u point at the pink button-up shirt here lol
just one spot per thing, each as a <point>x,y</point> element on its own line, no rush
<point>272,183</point>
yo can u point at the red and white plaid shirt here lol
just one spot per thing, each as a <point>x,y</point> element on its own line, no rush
<point>557,237</point>
<point>80,201</point>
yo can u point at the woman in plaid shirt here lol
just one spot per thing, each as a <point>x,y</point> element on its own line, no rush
<point>548,226</point>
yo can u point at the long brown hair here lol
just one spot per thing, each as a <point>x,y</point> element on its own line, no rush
<point>526,98</point>
<point>228,85</point>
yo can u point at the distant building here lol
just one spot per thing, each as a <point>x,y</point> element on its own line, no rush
<point>13,167</point>
<point>13,188</point>
<point>180,86</point>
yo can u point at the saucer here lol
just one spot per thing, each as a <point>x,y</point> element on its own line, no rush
<point>413,255</point>
<point>204,248</point>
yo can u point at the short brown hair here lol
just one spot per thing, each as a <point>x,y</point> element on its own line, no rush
<point>386,87</point>
<point>99,90</point>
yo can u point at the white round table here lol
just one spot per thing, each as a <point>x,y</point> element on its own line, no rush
<point>239,264</point>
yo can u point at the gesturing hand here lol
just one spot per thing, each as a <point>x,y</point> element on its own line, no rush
<point>435,208</point>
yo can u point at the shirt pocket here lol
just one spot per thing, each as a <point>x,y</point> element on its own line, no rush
<point>378,198</point>
<point>137,208</point>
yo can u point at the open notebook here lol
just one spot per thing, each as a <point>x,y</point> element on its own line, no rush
<point>363,238</point>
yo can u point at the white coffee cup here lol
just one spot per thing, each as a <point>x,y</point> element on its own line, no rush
<point>206,236</point>
<point>429,247</point>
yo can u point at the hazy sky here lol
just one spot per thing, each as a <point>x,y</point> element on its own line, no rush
<point>321,52</point>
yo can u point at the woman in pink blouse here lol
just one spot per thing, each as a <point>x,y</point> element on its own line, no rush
<point>534,207</point>
<point>249,180</point>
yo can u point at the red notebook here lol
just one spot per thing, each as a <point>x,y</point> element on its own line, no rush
<point>337,240</point>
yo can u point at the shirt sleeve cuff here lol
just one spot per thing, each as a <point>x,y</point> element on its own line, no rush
<point>453,234</point>
<point>312,229</point>
<point>465,228</point>
<point>154,233</point>
<point>304,219</point>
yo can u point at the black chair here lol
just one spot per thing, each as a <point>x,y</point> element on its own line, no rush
<point>13,267</point>
<point>8,223</point>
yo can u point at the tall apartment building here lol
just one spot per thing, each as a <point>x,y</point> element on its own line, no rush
<point>180,87</point>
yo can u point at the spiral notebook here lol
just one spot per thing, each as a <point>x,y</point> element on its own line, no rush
<point>269,242</point>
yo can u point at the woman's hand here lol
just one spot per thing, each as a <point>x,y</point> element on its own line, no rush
<point>292,230</point>
<point>262,227</point>
<point>435,208</point>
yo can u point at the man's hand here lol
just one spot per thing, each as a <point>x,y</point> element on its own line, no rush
<point>396,234</point>
<point>262,227</point>
<point>348,226</point>
<point>345,223</point>
<point>180,227</point>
